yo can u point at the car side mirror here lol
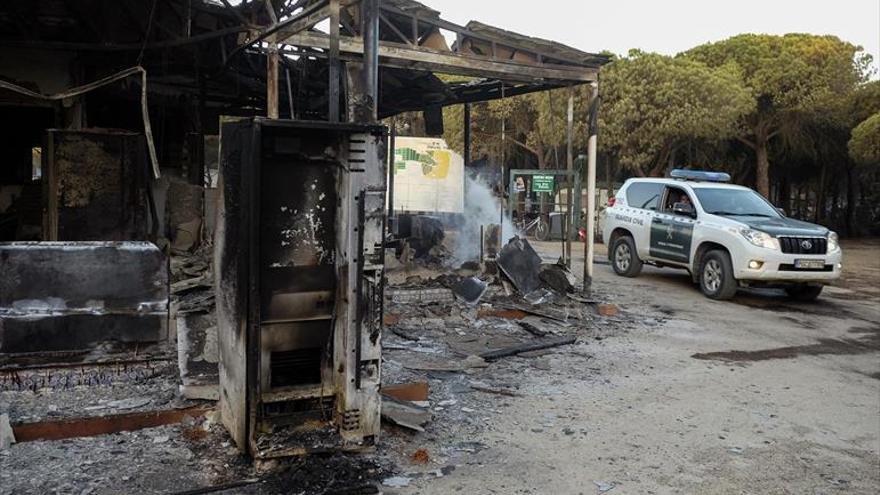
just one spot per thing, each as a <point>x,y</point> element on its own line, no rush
<point>781,211</point>
<point>686,209</point>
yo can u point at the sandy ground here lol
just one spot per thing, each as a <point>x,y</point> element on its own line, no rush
<point>757,395</point>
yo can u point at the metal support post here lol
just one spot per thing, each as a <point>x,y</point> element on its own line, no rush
<point>501,182</point>
<point>467,134</point>
<point>334,68</point>
<point>591,187</point>
<point>569,164</point>
<point>370,10</point>
<point>392,221</point>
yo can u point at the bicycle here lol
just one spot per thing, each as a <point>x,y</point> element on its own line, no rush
<point>540,227</point>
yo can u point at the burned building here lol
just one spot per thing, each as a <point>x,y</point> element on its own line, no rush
<point>243,133</point>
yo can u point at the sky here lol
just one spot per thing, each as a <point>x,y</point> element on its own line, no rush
<point>670,26</point>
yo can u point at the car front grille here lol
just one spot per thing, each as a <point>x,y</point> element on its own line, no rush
<point>803,245</point>
<point>788,267</point>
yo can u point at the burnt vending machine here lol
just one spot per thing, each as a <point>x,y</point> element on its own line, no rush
<point>298,271</point>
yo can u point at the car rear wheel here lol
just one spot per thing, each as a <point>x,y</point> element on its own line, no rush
<point>804,292</point>
<point>624,258</point>
<point>716,275</point>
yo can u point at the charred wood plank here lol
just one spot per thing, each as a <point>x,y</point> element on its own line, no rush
<point>531,346</point>
<point>532,329</point>
<point>422,58</point>
<point>102,425</point>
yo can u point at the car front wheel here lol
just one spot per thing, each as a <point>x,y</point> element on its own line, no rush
<point>624,258</point>
<point>716,275</point>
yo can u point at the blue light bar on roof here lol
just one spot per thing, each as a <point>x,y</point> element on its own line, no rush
<point>701,175</point>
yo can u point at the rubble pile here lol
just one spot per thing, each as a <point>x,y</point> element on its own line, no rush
<point>459,345</point>
<point>195,321</point>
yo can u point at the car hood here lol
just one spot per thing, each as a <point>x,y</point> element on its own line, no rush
<point>782,226</point>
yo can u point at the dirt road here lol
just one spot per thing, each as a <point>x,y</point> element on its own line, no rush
<point>758,395</point>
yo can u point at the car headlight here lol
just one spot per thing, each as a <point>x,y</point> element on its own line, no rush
<point>833,244</point>
<point>760,239</point>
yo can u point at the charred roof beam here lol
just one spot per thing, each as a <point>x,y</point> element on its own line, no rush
<point>396,31</point>
<point>463,32</point>
<point>423,58</point>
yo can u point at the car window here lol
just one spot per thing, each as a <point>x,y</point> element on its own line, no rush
<point>675,195</point>
<point>645,195</point>
<point>735,202</point>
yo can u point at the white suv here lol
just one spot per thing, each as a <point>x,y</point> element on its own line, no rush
<point>726,236</point>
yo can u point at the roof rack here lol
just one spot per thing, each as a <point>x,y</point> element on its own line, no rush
<point>699,175</point>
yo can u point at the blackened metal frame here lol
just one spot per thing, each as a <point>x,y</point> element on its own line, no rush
<point>353,375</point>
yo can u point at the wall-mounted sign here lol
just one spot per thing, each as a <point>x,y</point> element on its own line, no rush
<point>543,183</point>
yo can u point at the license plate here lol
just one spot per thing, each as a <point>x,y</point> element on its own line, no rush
<point>809,264</point>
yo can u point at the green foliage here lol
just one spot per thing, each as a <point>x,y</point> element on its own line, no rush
<point>486,124</point>
<point>793,79</point>
<point>535,124</point>
<point>864,102</point>
<point>651,103</point>
<point>864,146</point>
<point>790,72</point>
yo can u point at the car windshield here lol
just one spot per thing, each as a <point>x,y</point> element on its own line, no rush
<point>734,202</point>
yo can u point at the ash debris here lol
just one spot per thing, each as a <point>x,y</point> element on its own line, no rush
<point>478,338</point>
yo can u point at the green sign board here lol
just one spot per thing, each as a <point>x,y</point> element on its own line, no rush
<point>543,183</point>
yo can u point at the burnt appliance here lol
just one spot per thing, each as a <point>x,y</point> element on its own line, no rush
<point>299,270</point>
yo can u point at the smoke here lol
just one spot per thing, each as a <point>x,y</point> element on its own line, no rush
<point>481,208</point>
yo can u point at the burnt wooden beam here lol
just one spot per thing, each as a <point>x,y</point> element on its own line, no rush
<point>450,26</point>
<point>422,58</point>
<point>348,27</point>
<point>527,347</point>
<point>101,47</point>
<point>291,6</point>
<point>234,11</point>
<point>305,19</point>
<point>272,62</point>
<point>103,425</point>
<point>415,30</point>
<point>272,11</point>
<point>487,91</point>
<point>394,30</point>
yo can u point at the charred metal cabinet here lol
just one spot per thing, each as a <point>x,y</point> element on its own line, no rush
<point>299,272</point>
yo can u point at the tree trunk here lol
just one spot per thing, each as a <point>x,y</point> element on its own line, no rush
<point>784,200</point>
<point>762,172</point>
<point>819,214</point>
<point>609,181</point>
<point>662,161</point>
<point>850,200</point>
